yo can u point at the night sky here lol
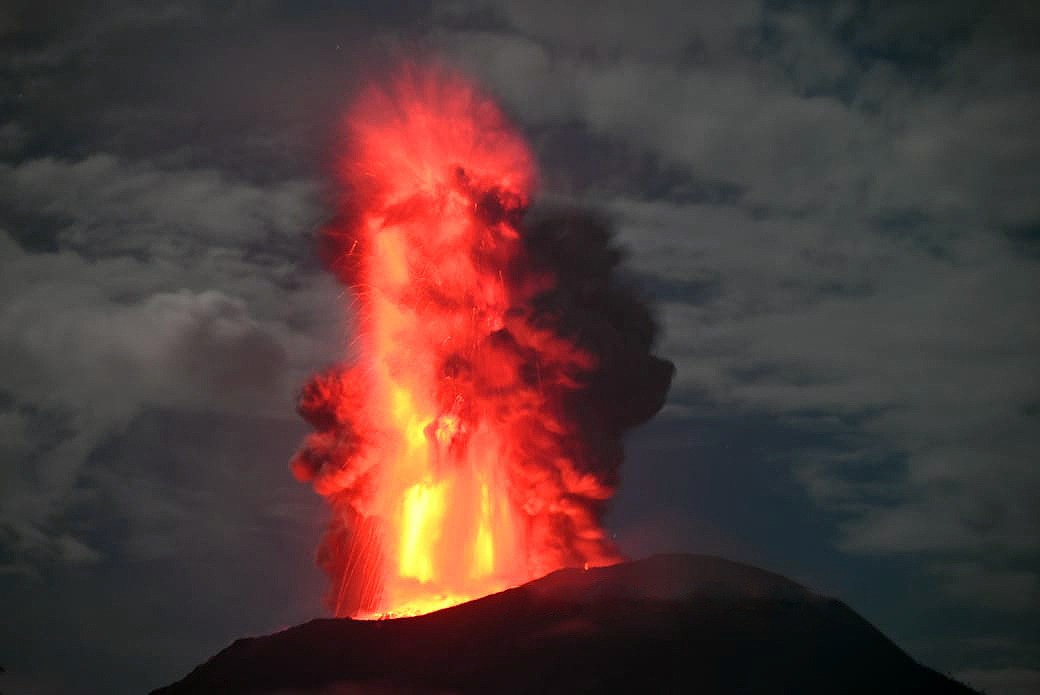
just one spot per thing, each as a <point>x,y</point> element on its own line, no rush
<point>835,206</point>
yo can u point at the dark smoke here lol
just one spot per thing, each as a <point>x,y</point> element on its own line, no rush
<point>609,319</point>
<point>579,402</point>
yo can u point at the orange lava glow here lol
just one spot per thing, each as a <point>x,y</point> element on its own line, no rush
<point>441,446</point>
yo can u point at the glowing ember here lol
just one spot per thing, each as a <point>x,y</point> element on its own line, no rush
<point>465,450</point>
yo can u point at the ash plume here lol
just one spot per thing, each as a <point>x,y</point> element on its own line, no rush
<point>502,361</point>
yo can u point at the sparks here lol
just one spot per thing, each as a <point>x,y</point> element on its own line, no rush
<point>450,450</point>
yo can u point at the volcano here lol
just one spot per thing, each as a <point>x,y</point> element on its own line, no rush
<point>666,624</point>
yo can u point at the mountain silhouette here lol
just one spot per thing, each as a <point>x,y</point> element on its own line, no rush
<point>666,624</point>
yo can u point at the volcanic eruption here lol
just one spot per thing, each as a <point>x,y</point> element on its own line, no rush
<point>470,442</point>
<point>472,439</point>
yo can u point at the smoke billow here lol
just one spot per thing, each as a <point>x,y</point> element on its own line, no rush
<point>478,439</point>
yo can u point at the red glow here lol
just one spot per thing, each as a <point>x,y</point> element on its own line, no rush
<point>440,448</point>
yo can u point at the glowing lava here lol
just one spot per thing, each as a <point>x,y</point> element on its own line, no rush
<point>452,449</point>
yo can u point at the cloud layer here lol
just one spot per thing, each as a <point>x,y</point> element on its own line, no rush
<point>834,206</point>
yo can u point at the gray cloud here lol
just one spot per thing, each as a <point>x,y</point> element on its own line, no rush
<point>205,539</point>
<point>104,206</point>
<point>123,316</point>
<point>1006,590</point>
<point>834,204</point>
<point>1006,681</point>
<point>862,265</point>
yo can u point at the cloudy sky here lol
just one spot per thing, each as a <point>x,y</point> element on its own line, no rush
<point>834,206</point>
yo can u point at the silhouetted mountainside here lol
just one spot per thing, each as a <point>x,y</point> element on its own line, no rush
<point>667,624</point>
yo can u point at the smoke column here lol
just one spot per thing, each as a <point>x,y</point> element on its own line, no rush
<point>475,441</point>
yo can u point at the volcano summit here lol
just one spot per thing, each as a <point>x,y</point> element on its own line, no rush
<point>667,624</point>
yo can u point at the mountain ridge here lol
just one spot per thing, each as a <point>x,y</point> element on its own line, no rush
<point>668,623</point>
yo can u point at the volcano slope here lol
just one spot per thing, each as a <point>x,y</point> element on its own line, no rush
<point>666,624</point>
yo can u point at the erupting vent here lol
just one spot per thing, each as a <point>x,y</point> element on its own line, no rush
<point>475,439</point>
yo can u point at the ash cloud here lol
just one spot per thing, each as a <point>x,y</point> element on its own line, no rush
<point>568,371</point>
<point>610,318</point>
<point>607,381</point>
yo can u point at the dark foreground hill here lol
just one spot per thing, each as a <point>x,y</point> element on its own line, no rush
<point>668,624</point>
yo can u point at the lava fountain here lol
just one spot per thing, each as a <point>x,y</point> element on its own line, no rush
<point>473,441</point>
